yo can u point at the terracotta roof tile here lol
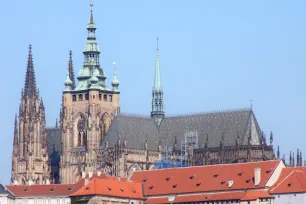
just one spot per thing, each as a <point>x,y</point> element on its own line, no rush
<point>111,187</point>
<point>46,190</point>
<point>254,195</point>
<point>205,178</point>
<point>292,180</point>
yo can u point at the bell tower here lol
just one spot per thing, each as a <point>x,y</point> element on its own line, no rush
<point>30,154</point>
<point>87,111</point>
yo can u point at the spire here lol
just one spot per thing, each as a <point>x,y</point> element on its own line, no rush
<point>157,78</point>
<point>71,70</point>
<point>157,112</point>
<point>271,139</point>
<point>115,82</point>
<point>30,82</point>
<point>16,131</point>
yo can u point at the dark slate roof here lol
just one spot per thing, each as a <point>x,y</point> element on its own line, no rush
<point>229,123</point>
<point>4,191</point>
<point>213,125</point>
<point>136,130</point>
<point>54,138</point>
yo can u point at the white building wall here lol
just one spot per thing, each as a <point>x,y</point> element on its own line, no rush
<point>41,200</point>
<point>298,198</point>
<point>6,200</point>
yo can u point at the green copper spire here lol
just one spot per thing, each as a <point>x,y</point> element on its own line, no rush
<point>91,75</point>
<point>157,80</point>
<point>157,112</point>
<point>115,82</point>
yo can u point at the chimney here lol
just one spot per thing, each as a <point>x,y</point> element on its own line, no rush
<point>83,174</point>
<point>257,176</point>
<point>89,174</point>
<point>230,183</point>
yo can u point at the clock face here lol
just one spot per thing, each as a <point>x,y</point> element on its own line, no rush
<point>81,125</point>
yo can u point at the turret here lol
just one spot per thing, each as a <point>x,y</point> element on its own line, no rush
<point>115,82</point>
<point>157,112</point>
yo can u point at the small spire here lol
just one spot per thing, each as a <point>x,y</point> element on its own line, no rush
<point>71,70</point>
<point>271,138</point>
<point>278,152</point>
<point>115,82</point>
<point>56,123</point>
<point>91,21</point>
<point>30,82</point>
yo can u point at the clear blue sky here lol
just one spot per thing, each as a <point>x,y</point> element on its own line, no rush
<point>214,55</point>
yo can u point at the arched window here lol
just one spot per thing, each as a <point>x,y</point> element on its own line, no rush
<point>81,132</point>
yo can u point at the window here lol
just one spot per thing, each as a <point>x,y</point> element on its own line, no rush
<point>100,97</point>
<point>73,98</point>
<point>80,97</point>
<point>81,133</point>
<point>110,98</point>
<point>105,97</point>
<point>93,96</point>
<point>86,97</point>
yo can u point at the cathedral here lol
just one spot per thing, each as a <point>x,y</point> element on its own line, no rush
<point>93,136</point>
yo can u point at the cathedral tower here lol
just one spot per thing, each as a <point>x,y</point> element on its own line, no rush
<point>157,112</point>
<point>87,111</point>
<point>30,153</point>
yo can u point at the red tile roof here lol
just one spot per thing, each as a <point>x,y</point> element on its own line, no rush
<point>238,195</point>
<point>45,190</point>
<point>111,187</point>
<point>254,195</point>
<point>204,178</point>
<point>54,189</point>
<point>291,180</point>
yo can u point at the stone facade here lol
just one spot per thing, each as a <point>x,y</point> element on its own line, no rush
<point>30,153</point>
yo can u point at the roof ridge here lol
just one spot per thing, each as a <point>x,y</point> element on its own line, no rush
<point>136,115</point>
<point>210,112</point>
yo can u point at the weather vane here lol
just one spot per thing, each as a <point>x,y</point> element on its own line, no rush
<point>115,68</point>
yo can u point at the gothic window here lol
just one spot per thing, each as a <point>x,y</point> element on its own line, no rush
<point>81,133</point>
<point>74,98</point>
<point>80,97</point>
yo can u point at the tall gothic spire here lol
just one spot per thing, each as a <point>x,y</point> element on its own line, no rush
<point>30,82</point>
<point>157,93</point>
<point>71,70</point>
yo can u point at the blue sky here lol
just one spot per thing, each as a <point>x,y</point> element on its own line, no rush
<point>215,55</point>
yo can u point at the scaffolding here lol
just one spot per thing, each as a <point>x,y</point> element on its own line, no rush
<point>188,146</point>
<point>168,160</point>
